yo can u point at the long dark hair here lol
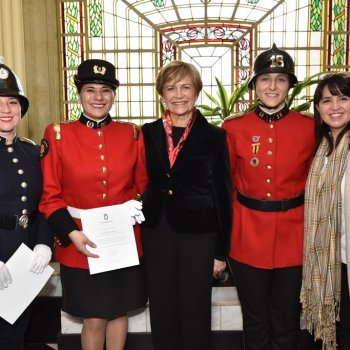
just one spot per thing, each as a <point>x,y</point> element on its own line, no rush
<point>338,84</point>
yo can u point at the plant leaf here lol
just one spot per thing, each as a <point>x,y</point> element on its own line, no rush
<point>212,99</point>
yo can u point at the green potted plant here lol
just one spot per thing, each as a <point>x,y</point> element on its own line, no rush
<point>224,105</point>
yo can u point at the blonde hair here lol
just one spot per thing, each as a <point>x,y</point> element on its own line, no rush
<point>177,70</point>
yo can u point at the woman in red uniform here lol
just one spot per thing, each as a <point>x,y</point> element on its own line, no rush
<point>89,163</point>
<point>271,149</point>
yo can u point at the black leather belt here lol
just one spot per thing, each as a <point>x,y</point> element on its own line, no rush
<point>10,222</point>
<point>267,205</point>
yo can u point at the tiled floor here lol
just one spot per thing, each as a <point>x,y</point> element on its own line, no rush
<point>226,315</point>
<point>226,322</point>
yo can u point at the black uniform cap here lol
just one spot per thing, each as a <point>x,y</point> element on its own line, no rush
<point>96,71</point>
<point>11,86</point>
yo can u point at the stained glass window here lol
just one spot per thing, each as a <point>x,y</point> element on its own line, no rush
<point>220,38</point>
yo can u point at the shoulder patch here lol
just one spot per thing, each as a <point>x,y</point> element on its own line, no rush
<point>307,114</point>
<point>235,115</point>
<point>24,139</point>
<point>44,148</point>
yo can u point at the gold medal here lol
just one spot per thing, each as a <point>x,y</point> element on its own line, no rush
<point>255,149</point>
<point>254,161</point>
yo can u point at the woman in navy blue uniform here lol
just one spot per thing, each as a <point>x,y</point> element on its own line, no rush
<point>20,191</point>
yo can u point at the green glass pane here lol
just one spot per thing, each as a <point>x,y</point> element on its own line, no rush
<point>73,50</point>
<point>159,3</point>
<point>316,15</point>
<point>71,17</point>
<point>339,39</point>
<point>74,111</point>
<point>95,16</point>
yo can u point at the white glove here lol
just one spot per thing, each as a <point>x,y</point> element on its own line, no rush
<point>135,211</point>
<point>42,256</point>
<point>5,276</point>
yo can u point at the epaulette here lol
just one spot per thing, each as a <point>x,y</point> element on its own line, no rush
<point>307,114</point>
<point>136,129</point>
<point>24,139</point>
<point>235,115</point>
<point>57,130</point>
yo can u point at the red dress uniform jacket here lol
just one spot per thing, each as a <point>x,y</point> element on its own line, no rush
<point>283,150</point>
<point>87,168</point>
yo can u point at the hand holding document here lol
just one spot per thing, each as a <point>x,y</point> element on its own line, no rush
<point>25,285</point>
<point>110,228</point>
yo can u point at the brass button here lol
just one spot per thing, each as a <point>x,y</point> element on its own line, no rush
<point>104,169</point>
<point>104,196</point>
<point>100,146</point>
<point>104,183</point>
<point>15,160</point>
<point>268,181</point>
<point>23,198</point>
<point>24,211</point>
<point>99,133</point>
<point>269,167</point>
<point>270,140</point>
<point>271,126</point>
<point>268,194</point>
<point>10,150</point>
<point>102,157</point>
<point>23,184</point>
<point>167,175</point>
<point>269,153</point>
<point>170,192</point>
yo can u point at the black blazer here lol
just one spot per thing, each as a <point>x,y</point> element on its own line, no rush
<point>196,193</point>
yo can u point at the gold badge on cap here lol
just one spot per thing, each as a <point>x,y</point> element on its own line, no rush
<point>255,148</point>
<point>277,61</point>
<point>99,70</point>
<point>4,73</point>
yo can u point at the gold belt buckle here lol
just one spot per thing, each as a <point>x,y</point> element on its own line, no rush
<point>23,221</point>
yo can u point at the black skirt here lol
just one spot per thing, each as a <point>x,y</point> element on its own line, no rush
<point>103,295</point>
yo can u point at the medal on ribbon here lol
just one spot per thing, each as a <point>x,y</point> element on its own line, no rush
<point>255,148</point>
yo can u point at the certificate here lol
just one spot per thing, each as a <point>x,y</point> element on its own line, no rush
<point>25,285</point>
<point>111,229</point>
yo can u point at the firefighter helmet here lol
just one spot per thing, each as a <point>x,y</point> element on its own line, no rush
<point>273,60</point>
<point>11,86</point>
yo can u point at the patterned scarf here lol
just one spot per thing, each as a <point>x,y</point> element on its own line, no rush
<point>168,127</point>
<point>320,291</point>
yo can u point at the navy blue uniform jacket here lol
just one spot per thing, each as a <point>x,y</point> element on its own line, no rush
<point>20,191</point>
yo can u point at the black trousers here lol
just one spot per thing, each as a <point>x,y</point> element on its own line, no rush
<point>343,326</point>
<point>12,335</point>
<point>270,306</point>
<point>179,271</point>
